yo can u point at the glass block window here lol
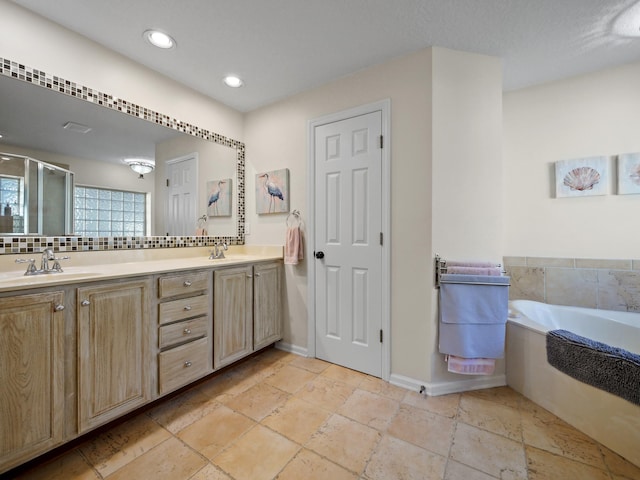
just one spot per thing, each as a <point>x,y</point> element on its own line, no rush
<point>10,194</point>
<point>102,212</point>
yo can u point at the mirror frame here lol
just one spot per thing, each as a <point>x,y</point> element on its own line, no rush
<point>29,244</point>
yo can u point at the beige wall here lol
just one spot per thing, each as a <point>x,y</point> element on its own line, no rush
<point>446,182</point>
<point>276,137</point>
<point>39,43</point>
<point>467,185</point>
<point>590,115</point>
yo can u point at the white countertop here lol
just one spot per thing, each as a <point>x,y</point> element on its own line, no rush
<point>84,267</point>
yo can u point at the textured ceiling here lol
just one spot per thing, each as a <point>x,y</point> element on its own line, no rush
<point>282,47</point>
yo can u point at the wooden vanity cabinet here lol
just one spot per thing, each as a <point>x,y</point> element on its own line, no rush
<point>114,352</point>
<point>184,329</point>
<point>31,375</point>
<point>267,304</point>
<point>247,308</point>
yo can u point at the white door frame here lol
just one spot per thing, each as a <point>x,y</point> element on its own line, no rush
<point>383,106</point>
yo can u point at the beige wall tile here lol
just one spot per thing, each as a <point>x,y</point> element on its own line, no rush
<point>550,262</point>
<point>527,283</point>
<point>598,263</point>
<point>570,286</point>
<point>619,290</point>
<point>514,261</point>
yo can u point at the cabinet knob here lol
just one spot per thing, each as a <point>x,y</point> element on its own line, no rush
<point>187,308</point>
<point>84,303</point>
<point>58,308</point>
<point>186,331</point>
<point>257,274</point>
<point>187,364</point>
<point>187,283</point>
<point>249,276</point>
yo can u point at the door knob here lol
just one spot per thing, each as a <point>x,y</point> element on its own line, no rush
<point>319,255</point>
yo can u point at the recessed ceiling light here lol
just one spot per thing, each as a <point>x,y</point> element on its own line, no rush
<point>232,81</point>
<point>159,39</point>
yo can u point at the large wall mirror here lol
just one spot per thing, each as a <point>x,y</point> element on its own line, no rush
<point>61,123</point>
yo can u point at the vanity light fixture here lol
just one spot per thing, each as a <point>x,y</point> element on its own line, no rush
<point>233,81</point>
<point>159,39</point>
<point>140,165</point>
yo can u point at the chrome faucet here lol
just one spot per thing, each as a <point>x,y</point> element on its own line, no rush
<point>218,250</point>
<point>48,255</point>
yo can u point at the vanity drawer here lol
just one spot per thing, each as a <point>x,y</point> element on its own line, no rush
<point>184,308</point>
<point>184,364</point>
<point>170,286</point>
<point>183,331</point>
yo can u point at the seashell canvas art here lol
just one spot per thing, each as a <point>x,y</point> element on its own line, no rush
<point>629,173</point>
<point>582,177</point>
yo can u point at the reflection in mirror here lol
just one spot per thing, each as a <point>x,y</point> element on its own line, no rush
<point>32,123</point>
<point>36,197</point>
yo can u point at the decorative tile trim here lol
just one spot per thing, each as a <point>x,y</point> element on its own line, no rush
<point>8,245</point>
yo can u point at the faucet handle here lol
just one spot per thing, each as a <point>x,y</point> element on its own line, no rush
<point>56,263</point>
<point>31,267</point>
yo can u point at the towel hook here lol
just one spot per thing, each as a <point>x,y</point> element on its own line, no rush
<point>296,216</point>
<point>202,221</point>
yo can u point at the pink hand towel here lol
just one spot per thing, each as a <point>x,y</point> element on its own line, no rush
<point>293,247</point>
<point>493,271</point>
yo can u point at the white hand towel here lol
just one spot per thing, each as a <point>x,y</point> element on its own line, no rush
<point>293,247</point>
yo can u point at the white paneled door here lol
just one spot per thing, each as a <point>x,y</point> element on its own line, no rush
<point>182,196</point>
<point>348,242</point>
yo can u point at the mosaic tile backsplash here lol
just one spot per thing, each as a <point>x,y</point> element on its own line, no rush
<point>13,245</point>
<point>579,282</point>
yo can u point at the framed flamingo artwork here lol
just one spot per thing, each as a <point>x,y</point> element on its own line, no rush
<point>272,191</point>
<point>628,173</point>
<point>582,177</point>
<point>219,198</point>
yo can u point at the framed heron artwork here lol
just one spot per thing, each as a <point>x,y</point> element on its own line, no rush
<point>219,198</point>
<point>272,191</point>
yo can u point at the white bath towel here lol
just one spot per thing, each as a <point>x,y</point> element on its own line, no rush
<point>492,271</point>
<point>293,246</point>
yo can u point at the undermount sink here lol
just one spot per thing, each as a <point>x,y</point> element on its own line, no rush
<point>19,278</point>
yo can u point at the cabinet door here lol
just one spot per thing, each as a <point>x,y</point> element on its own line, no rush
<point>114,348</point>
<point>232,315</point>
<point>31,375</point>
<point>267,304</point>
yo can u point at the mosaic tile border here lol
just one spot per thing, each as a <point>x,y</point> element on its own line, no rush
<point>8,245</point>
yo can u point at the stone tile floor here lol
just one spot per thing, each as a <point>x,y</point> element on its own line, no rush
<point>282,416</point>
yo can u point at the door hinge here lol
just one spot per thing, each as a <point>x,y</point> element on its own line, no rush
<point>380,336</point>
<point>167,182</point>
<point>381,141</point>
<point>381,239</point>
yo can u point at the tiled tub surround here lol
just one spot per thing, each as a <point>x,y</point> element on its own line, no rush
<point>579,282</point>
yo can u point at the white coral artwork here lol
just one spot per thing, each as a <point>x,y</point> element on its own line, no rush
<point>629,173</point>
<point>582,177</point>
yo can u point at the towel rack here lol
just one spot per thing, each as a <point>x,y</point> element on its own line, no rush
<point>297,216</point>
<point>441,268</point>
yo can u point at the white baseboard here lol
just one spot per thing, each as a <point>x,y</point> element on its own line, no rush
<point>444,388</point>
<point>287,347</point>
